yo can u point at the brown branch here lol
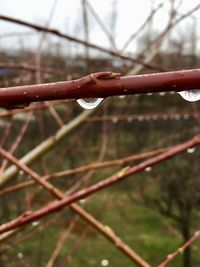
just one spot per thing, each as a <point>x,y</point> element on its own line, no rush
<point>125,173</point>
<point>17,141</point>
<point>81,212</point>
<point>180,250</point>
<point>77,40</point>
<point>82,169</point>
<point>30,68</point>
<point>38,106</point>
<point>102,84</point>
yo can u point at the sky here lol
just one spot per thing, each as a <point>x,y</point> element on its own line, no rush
<point>67,17</point>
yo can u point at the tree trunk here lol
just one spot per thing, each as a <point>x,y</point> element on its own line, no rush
<point>186,237</point>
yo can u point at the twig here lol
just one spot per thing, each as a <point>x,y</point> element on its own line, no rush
<point>58,205</point>
<point>180,250</point>
<point>46,145</point>
<point>77,40</point>
<point>82,169</point>
<point>86,216</point>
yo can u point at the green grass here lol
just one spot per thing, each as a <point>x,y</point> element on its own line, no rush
<point>142,229</point>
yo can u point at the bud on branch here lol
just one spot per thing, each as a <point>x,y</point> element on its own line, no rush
<point>100,85</point>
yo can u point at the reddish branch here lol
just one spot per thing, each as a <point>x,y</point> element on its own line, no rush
<point>180,250</point>
<point>82,169</point>
<point>30,68</point>
<point>110,235</point>
<point>125,173</point>
<point>102,84</point>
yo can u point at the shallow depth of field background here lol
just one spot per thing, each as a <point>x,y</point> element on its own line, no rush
<point>155,211</point>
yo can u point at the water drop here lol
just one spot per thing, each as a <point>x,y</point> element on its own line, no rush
<point>121,96</point>
<point>21,173</point>
<point>129,119</point>
<point>20,255</point>
<point>115,120</point>
<point>191,150</point>
<point>148,169</point>
<point>162,93</point>
<point>35,223</point>
<point>82,200</point>
<point>191,96</point>
<point>104,262</point>
<point>89,103</point>
<point>186,116</point>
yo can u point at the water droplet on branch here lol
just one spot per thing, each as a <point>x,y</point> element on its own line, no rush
<point>193,95</point>
<point>89,103</point>
<point>191,150</point>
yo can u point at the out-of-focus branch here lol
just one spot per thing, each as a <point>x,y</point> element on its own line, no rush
<point>123,174</point>
<point>46,145</point>
<point>77,40</point>
<point>148,19</point>
<point>82,169</point>
<point>81,212</point>
<point>31,68</point>
<point>180,250</point>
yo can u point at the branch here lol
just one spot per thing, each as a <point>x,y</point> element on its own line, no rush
<point>86,168</point>
<point>102,84</point>
<point>77,40</point>
<point>45,146</point>
<point>110,235</point>
<point>125,173</point>
<point>180,250</point>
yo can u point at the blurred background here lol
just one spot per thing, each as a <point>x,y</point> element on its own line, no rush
<point>155,211</point>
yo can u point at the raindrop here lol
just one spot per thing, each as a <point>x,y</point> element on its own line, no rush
<point>21,173</point>
<point>104,262</point>
<point>82,200</point>
<point>177,117</point>
<point>115,120</point>
<point>191,96</point>
<point>89,103</point>
<point>191,150</point>
<point>186,116</point>
<point>129,119</point>
<point>35,223</point>
<point>148,169</point>
<point>20,255</point>
<point>162,93</point>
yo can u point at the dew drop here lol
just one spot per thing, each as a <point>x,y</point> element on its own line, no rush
<point>89,103</point>
<point>193,95</point>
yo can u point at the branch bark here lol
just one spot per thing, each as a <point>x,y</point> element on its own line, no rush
<point>102,84</point>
